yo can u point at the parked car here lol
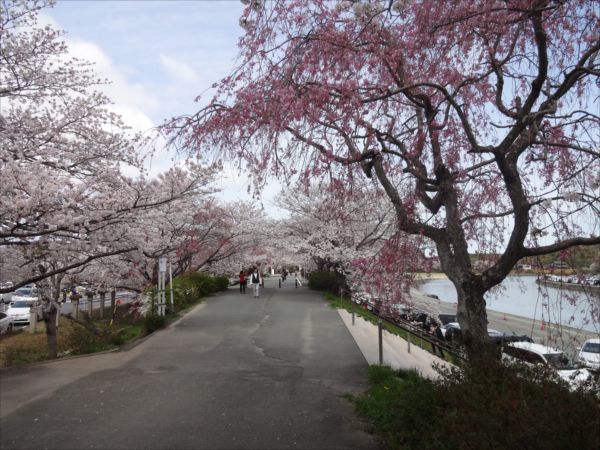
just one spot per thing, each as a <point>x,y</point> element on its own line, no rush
<point>532,354</point>
<point>589,354</point>
<point>20,311</point>
<point>501,338</point>
<point>6,297</point>
<point>6,323</point>
<point>415,317</point>
<point>25,293</point>
<point>453,333</point>
<point>445,319</point>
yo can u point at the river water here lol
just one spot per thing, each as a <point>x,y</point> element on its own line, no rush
<point>522,296</point>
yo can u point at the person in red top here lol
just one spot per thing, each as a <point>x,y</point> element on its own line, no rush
<point>242,282</point>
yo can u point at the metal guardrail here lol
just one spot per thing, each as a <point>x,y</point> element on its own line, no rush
<point>418,332</point>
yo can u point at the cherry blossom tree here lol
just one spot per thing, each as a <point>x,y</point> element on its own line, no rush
<point>62,152</point>
<point>334,226</point>
<point>476,118</point>
<point>353,232</point>
<point>56,153</point>
<point>64,200</point>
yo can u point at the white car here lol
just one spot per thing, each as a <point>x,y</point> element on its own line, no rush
<point>7,296</point>
<point>5,323</point>
<point>20,311</point>
<point>532,354</point>
<point>589,354</point>
<point>26,293</point>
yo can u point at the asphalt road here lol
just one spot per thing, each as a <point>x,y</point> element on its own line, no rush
<point>236,372</point>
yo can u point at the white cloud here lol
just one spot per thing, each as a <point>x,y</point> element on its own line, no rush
<point>134,117</point>
<point>119,89</point>
<point>178,69</point>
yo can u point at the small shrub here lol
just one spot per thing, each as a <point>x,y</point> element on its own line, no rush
<point>206,286</point>
<point>191,286</point>
<point>222,283</point>
<point>14,356</point>
<point>325,281</point>
<point>153,322</point>
<point>81,341</point>
<point>116,339</point>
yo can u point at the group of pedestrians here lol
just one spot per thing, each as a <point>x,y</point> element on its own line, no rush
<point>254,278</point>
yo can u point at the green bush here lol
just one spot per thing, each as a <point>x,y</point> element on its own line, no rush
<point>81,341</point>
<point>399,407</point>
<point>205,284</point>
<point>325,281</point>
<point>222,283</point>
<point>190,287</point>
<point>153,322</point>
<point>498,408</point>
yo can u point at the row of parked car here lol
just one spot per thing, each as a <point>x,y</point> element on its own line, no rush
<point>574,374</point>
<point>590,280</point>
<point>17,307</point>
<point>513,348</point>
<point>448,324</point>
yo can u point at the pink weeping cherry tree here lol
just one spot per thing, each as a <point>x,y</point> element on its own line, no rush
<point>479,119</point>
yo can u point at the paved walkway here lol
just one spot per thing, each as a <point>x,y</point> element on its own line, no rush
<point>235,372</point>
<point>397,352</point>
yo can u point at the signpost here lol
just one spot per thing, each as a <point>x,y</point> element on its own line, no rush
<point>171,287</point>
<point>162,268</point>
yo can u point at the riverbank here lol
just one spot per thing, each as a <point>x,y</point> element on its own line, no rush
<point>423,277</point>
<point>572,286</point>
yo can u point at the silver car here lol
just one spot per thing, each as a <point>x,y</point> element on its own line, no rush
<point>6,323</point>
<point>27,293</point>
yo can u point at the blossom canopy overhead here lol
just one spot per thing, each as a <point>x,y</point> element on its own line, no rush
<point>476,118</point>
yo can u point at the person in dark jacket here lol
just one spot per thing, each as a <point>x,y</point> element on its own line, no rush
<point>255,280</point>
<point>243,282</point>
<point>439,336</point>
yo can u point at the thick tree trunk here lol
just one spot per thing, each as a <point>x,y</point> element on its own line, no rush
<point>472,317</point>
<point>51,330</point>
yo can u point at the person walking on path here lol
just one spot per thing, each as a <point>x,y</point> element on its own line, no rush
<point>437,333</point>
<point>256,283</point>
<point>242,282</point>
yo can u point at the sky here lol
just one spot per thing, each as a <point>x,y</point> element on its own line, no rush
<point>159,55</point>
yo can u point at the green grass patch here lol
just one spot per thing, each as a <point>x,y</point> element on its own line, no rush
<point>398,406</point>
<point>22,347</point>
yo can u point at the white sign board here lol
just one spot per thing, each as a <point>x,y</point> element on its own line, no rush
<point>162,264</point>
